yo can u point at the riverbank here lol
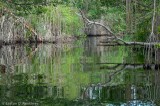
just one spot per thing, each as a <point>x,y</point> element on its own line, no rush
<point>54,39</point>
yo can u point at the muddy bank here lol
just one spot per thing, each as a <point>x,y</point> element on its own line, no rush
<point>55,39</point>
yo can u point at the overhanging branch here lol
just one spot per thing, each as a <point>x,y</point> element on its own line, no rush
<point>89,22</point>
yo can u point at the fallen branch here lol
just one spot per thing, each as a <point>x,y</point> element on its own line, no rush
<point>132,43</point>
<point>130,66</point>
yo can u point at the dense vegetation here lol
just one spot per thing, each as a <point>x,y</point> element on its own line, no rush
<point>48,18</point>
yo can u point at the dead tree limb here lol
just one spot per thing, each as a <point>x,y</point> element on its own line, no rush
<point>86,20</point>
<point>132,43</point>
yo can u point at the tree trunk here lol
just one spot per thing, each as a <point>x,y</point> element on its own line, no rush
<point>128,15</point>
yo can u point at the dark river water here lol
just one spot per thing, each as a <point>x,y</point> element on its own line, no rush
<point>79,74</point>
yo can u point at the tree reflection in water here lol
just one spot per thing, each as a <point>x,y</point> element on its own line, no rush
<point>84,75</point>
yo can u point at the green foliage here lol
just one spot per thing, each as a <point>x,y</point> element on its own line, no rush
<point>159,29</point>
<point>111,3</point>
<point>143,30</point>
<point>116,19</point>
<point>92,8</point>
<point>62,16</point>
<point>70,20</point>
<point>158,45</point>
<point>27,7</point>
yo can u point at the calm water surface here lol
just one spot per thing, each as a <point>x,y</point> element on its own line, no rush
<point>79,74</point>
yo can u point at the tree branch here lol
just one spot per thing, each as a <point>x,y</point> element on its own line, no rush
<point>86,20</point>
<point>132,43</point>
